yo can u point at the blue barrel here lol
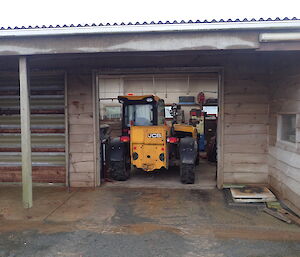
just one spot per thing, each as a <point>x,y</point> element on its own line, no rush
<point>201,143</point>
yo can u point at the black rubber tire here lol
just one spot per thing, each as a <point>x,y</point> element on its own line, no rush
<point>119,171</point>
<point>187,173</point>
<point>197,159</point>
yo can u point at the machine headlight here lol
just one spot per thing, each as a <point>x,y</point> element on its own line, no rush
<point>149,99</point>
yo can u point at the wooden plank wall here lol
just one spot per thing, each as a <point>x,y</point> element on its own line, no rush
<point>81,134</point>
<point>284,160</point>
<point>47,127</point>
<point>246,106</point>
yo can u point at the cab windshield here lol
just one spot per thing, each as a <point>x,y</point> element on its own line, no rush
<point>139,115</point>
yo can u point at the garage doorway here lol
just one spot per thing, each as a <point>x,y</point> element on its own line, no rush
<point>197,93</point>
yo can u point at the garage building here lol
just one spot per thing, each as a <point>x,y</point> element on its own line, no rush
<point>253,65</point>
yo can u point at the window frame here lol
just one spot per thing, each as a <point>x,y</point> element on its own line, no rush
<point>161,114</point>
<point>279,140</point>
<point>112,106</point>
<point>126,119</point>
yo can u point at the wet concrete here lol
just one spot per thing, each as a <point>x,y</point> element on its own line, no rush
<point>139,222</point>
<point>205,178</point>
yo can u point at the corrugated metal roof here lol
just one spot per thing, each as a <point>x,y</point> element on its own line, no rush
<point>152,23</point>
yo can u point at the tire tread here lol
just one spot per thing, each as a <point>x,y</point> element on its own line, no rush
<point>187,173</point>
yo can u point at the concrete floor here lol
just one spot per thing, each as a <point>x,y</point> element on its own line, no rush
<point>120,221</point>
<point>205,178</point>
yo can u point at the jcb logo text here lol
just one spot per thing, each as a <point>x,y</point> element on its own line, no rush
<point>154,135</point>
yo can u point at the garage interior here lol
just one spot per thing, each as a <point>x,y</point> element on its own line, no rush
<point>197,96</point>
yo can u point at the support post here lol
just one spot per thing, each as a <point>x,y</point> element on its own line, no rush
<point>25,132</point>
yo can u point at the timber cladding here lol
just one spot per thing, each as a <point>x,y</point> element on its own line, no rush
<point>47,128</point>
<point>81,130</point>
<point>284,158</point>
<point>246,108</point>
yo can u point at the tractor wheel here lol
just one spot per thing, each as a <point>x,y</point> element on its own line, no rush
<point>119,171</point>
<point>187,173</point>
<point>197,159</point>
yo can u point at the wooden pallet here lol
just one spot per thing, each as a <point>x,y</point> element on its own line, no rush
<point>252,195</point>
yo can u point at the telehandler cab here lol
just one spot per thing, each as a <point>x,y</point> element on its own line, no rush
<point>148,143</point>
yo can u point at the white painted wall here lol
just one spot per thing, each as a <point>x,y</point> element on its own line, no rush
<point>167,87</point>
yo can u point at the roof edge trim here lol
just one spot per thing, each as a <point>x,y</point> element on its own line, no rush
<point>151,28</point>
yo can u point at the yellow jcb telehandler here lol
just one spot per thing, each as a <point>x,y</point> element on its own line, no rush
<point>148,143</point>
